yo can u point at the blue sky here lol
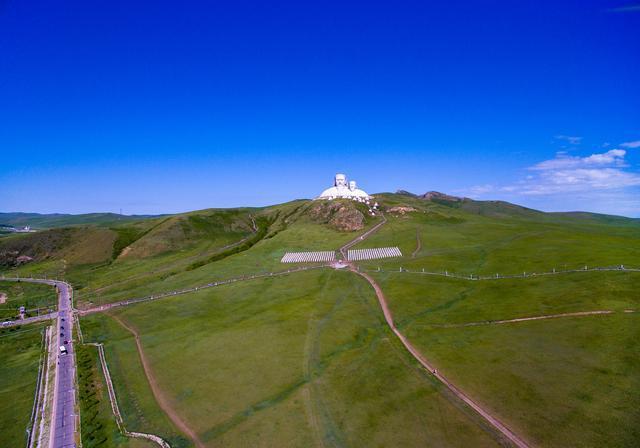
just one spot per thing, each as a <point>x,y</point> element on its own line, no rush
<point>156,107</point>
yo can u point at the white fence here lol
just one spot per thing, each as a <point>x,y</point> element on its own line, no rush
<point>308,257</point>
<point>373,254</point>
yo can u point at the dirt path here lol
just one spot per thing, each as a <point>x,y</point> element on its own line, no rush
<point>418,246</point>
<point>159,395</point>
<point>114,403</point>
<point>493,421</point>
<point>367,234</point>
<point>525,319</point>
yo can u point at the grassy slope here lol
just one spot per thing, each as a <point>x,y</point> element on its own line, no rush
<point>93,258</point>
<point>559,382</point>
<point>463,242</point>
<point>19,360</point>
<point>284,362</point>
<point>572,381</point>
<point>137,404</point>
<point>480,238</point>
<point>30,295</point>
<point>569,382</point>
<point>140,279</point>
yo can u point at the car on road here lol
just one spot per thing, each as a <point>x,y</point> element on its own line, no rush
<point>63,350</point>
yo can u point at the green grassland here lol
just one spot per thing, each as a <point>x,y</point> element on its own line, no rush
<point>285,362</point>
<point>30,295</point>
<point>139,409</point>
<point>20,350</point>
<point>99,428</point>
<point>465,242</point>
<point>307,359</point>
<point>565,382</point>
<point>559,382</point>
<point>289,229</point>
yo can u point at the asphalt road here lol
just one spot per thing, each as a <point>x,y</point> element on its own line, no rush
<point>63,431</point>
<point>64,417</point>
<point>28,320</point>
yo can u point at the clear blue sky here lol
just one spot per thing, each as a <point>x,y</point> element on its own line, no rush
<point>159,106</point>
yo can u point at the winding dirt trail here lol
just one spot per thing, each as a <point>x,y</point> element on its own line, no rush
<point>493,421</point>
<point>161,398</point>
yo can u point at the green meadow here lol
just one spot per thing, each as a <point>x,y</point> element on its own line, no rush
<point>20,350</point>
<point>295,361</point>
<point>307,359</point>
<point>29,295</point>
<point>141,277</point>
<point>570,381</point>
<point>454,239</point>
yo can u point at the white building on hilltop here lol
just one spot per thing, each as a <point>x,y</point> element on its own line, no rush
<point>342,189</point>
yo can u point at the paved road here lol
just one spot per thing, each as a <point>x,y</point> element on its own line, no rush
<point>28,320</point>
<point>63,431</point>
<point>64,428</point>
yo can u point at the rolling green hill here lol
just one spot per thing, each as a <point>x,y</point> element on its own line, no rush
<point>306,359</point>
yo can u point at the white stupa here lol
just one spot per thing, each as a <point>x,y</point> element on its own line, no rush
<point>342,189</point>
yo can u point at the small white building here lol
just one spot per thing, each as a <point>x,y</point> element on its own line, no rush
<point>342,189</point>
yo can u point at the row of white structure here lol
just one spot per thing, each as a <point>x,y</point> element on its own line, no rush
<point>308,257</point>
<point>373,254</point>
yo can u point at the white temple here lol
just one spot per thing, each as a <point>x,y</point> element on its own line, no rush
<point>342,189</point>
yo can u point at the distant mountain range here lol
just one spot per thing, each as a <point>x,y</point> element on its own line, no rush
<point>49,221</point>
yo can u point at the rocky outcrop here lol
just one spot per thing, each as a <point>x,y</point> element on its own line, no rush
<point>436,195</point>
<point>12,258</point>
<point>343,216</point>
<point>401,210</point>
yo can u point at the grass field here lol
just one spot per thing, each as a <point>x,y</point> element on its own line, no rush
<point>30,295</point>
<point>559,382</point>
<point>19,360</point>
<point>137,405</point>
<point>99,428</point>
<point>458,241</point>
<point>307,359</point>
<point>138,278</point>
<point>271,363</point>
